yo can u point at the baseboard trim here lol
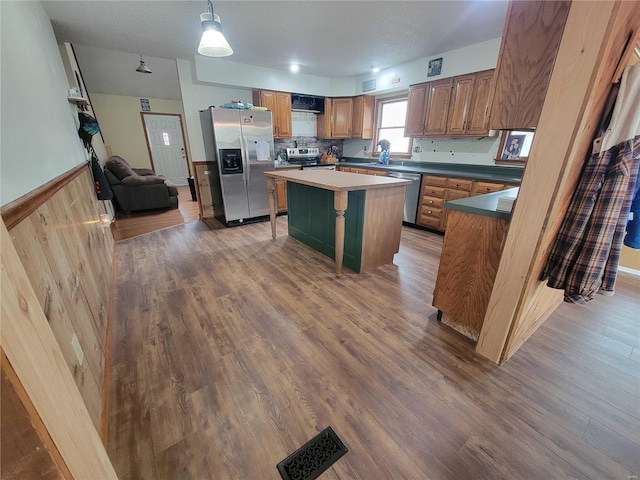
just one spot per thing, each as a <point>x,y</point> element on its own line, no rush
<point>629,270</point>
<point>106,377</point>
<point>14,212</point>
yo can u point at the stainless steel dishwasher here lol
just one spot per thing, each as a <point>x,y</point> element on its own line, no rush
<point>411,198</point>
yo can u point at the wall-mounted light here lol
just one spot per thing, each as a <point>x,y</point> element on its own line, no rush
<point>212,43</point>
<point>375,68</point>
<point>142,68</point>
<point>294,67</point>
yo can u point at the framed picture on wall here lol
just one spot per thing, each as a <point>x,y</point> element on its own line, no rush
<point>144,105</point>
<point>435,67</point>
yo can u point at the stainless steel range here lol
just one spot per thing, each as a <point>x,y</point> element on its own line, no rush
<point>307,157</point>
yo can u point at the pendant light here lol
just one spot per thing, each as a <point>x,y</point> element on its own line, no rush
<point>213,43</point>
<point>142,68</point>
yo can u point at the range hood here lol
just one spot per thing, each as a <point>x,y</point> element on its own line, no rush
<point>307,103</point>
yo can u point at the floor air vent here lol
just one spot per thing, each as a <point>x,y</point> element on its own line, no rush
<point>313,458</point>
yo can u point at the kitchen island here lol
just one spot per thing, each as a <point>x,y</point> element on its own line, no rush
<point>356,219</point>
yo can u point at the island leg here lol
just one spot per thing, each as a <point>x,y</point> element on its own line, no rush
<point>340,204</point>
<point>271,186</point>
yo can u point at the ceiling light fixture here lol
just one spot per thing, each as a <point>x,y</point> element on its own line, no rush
<point>212,43</point>
<point>294,67</point>
<point>142,68</point>
<point>375,68</point>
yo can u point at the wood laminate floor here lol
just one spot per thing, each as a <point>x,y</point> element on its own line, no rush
<point>141,223</point>
<point>230,351</point>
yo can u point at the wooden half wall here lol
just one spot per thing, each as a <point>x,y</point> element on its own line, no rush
<point>67,255</point>
<point>51,401</point>
<point>592,44</point>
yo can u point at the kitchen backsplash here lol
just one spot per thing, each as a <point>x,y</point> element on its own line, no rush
<point>280,146</point>
<point>468,150</point>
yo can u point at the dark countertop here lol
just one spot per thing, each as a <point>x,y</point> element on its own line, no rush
<point>483,204</point>
<point>283,165</point>
<point>491,173</point>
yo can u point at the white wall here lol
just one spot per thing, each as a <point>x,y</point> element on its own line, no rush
<point>481,56</point>
<point>226,72</point>
<point>196,97</point>
<point>114,73</point>
<point>475,58</point>
<point>468,150</point>
<point>122,126</point>
<point>39,132</point>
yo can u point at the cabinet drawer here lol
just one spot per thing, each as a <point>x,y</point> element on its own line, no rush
<point>377,173</point>
<point>480,188</point>
<point>431,191</point>
<point>459,184</point>
<point>429,222</point>
<point>432,202</point>
<point>431,212</point>
<point>435,181</point>
<point>456,194</point>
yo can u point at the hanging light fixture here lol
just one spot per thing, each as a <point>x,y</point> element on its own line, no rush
<point>142,68</point>
<point>213,43</point>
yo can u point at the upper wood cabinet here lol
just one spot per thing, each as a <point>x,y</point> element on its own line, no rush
<point>336,121</point>
<point>427,108</point>
<point>341,117</point>
<point>530,42</point>
<point>478,117</point>
<point>460,106</point>
<point>438,107</point>
<point>454,106</point>
<point>279,103</point>
<point>363,107</point>
<point>416,110</point>
<point>470,102</point>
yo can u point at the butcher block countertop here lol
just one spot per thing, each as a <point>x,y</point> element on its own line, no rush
<point>337,181</point>
<point>327,206</point>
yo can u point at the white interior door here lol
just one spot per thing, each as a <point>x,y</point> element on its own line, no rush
<point>164,135</point>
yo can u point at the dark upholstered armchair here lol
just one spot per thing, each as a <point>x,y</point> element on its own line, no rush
<point>139,188</point>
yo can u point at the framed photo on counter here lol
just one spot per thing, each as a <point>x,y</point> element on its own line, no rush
<point>514,147</point>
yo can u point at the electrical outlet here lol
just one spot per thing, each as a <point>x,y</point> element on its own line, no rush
<point>365,148</point>
<point>75,343</point>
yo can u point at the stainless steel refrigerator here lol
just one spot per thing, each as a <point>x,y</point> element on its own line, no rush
<point>239,145</point>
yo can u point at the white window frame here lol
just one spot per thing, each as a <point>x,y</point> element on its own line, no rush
<point>376,134</point>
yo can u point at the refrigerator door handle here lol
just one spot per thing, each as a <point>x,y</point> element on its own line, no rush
<point>247,159</point>
<point>244,161</point>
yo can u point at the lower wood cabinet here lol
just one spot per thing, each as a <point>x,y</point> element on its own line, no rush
<point>281,192</point>
<point>363,171</point>
<point>432,201</point>
<point>480,188</point>
<point>435,191</point>
<point>468,264</point>
<point>203,172</point>
<point>281,195</point>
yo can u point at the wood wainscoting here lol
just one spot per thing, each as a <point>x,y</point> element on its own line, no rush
<point>67,255</point>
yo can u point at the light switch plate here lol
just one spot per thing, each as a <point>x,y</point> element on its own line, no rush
<point>75,343</point>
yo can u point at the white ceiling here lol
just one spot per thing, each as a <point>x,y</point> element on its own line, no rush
<point>327,38</point>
